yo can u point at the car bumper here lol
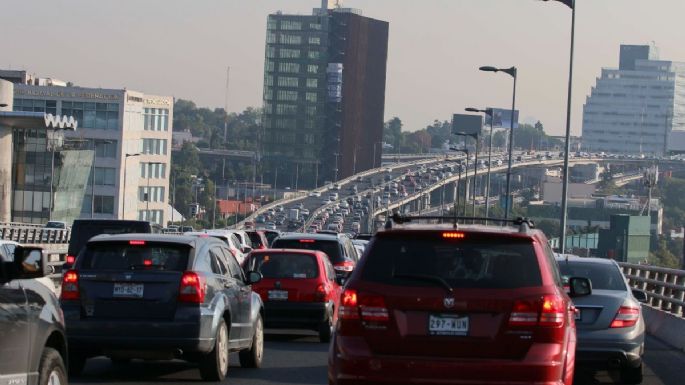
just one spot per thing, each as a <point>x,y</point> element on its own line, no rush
<point>189,332</point>
<point>353,365</point>
<point>612,348</point>
<point>295,314</point>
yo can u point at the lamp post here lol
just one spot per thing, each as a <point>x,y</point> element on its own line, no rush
<point>487,111</point>
<point>466,177</point>
<point>564,190</point>
<point>123,194</point>
<point>513,73</point>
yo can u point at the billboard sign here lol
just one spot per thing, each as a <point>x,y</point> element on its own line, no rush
<point>334,74</point>
<point>502,118</point>
<point>466,124</point>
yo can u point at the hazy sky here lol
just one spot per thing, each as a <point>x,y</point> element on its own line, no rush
<point>182,48</point>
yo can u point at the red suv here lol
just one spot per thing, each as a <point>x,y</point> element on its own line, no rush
<point>299,289</point>
<point>444,304</point>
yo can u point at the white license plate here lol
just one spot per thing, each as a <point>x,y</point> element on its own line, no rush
<point>128,290</point>
<point>445,325</point>
<point>278,295</point>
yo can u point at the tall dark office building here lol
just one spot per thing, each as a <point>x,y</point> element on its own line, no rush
<point>324,96</point>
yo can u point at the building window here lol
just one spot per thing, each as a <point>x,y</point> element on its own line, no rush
<point>315,26</point>
<point>156,119</point>
<point>314,40</point>
<point>270,52</point>
<point>269,81</point>
<point>312,68</point>
<point>311,97</point>
<point>286,53</point>
<point>104,176</point>
<point>151,194</point>
<point>103,116</point>
<point>290,25</point>
<point>155,216</point>
<point>103,204</point>
<point>312,83</point>
<point>289,96</point>
<point>269,66</point>
<point>309,123</point>
<point>271,23</point>
<point>291,68</point>
<point>310,110</point>
<point>268,93</point>
<point>153,170</point>
<point>285,123</point>
<point>270,38</point>
<point>308,138</point>
<point>290,39</point>
<point>284,81</point>
<point>286,109</point>
<point>154,146</point>
<point>34,105</point>
<point>268,108</point>
<point>314,55</point>
<point>106,149</point>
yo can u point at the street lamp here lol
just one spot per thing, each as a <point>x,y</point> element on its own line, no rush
<point>487,111</point>
<point>466,177</point>
<point>564,190</point>
<point>123,195</point>
<point>512,72</point>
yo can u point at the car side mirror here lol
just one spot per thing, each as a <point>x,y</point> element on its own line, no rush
<point>28,263</point>
<point>253,277</point>
<point>640,296</point>
<point>580,286</point>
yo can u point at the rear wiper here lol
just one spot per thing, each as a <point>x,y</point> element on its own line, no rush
<point>145,267</point>
<point>427,278</point>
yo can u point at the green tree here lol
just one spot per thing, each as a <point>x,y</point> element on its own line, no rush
<point>663,257</point>
<point>392,133</point>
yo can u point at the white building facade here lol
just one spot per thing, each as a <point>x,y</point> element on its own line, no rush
<point>131,133</point>
<point>635,109</point>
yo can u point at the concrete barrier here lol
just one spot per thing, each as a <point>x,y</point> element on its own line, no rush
<point>665,326</point>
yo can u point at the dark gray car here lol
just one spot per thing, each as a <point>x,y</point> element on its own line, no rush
<point>153,296</point>
<point>33,346</point>
<point>609,323</point>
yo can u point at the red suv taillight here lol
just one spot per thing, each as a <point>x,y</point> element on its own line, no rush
<point>370,309</point>
<point>70,260</point>
<point>626,316</point>
<point>70,290</point>
<point>546,311</point>
<point>193,288</point>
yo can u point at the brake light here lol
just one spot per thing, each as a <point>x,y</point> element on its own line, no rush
<point>626,316</point>
<point>348,305</point>
<point>136,243</point>
<point>368,307</point>
<point>453,235</point>
<point>346,266</point>
<point>548,311</point>
<point>70,260</point>
<point>193,288</point>
<point>373,308</point>
<point>70,289</point>
<point>147,262</point>
<point>307,241</point>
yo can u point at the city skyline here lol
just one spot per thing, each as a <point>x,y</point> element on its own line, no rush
<point>435,50</point>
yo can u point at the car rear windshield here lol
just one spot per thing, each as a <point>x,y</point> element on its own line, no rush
<point>331,248</point>
<point>139,256</point>
<point>462,261</point>
<point>255,238</point>
<point>280,265</point>
<point>83,231</point>
<point>602,275</point>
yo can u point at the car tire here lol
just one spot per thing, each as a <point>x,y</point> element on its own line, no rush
<point>630,375</point>
<point>252,357</point>
<point>214,366</point>
<point>51,370</point>
<point>326,330</point>
<point>77,361</point>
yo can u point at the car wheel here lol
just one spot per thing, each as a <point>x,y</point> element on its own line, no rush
<point>326,330</point>
<point>252,358</point>
<point>214,366</point>
<point>630,375</point>
<point>51,370</point>
<point>77,361</point>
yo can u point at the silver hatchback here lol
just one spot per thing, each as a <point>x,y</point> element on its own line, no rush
<point>609,322</point>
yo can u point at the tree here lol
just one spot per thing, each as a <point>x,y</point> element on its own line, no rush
<point>549,227</point>
<point>392,133</point>
<point>663,257</point>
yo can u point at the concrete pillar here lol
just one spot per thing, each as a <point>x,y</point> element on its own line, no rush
<point>6,101</point>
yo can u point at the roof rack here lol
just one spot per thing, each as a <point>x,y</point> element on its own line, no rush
<point>524,224</point>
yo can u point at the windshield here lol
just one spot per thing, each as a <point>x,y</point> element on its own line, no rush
<point>280,265</point>
<point>331,248</point>
<point>602,275</point>
<point>412,261</point>
<point>127,256</point>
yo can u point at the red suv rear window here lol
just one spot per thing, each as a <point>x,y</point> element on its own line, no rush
<point>466,261</point>
<point>283,265</point>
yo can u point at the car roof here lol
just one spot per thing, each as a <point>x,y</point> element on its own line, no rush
<point>179,239</point>
<point>576,258</point>
<point>483,229</point>
<point>314,236</point>
<point>290,251</point>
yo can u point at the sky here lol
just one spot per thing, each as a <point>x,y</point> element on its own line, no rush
<point>183,48</point>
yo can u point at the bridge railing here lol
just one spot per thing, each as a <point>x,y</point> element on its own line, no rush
<point>34,235</point>
<point>665,287</point>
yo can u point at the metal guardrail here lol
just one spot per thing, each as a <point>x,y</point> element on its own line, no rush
<point>35,235</point>
<point>665,287</point>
